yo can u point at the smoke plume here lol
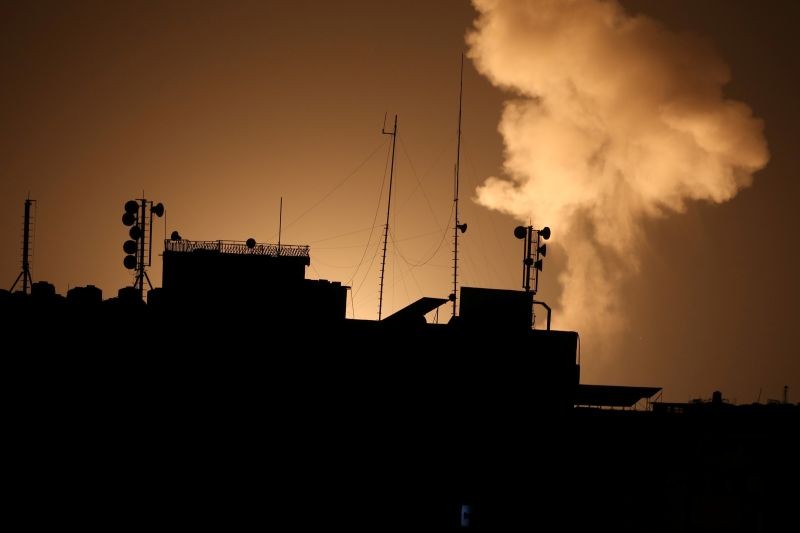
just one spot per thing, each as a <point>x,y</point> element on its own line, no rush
<point>615,120</point>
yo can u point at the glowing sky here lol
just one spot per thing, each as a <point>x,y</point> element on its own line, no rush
<point>217,109</point>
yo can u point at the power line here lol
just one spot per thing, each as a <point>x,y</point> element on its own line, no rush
<point>419,184</point>
<point>338,185</point>
<point>438,247</point>
<point>374,220</point>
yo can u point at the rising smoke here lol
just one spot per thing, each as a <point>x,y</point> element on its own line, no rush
<point>615,120</point>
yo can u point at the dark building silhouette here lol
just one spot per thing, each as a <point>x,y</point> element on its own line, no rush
<point>43,290</point>
<point>268,277</point>
<point>239,395</point>
<point>88,295</point>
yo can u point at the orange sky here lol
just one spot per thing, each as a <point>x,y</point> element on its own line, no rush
<point>217,109</point>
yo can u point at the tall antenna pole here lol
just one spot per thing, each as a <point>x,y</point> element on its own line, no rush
<point>150,239</point>
<point>280,224</point>
<point>138,216</point>
<point>142,244</point>
<point>27,280</point>
<point>26,239</point>
<point>457,226</point>
<point>393,133</point>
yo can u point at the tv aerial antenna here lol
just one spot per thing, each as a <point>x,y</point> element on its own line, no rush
<point>25,274</point>
<point>457,225</point>
<point>393,133</point>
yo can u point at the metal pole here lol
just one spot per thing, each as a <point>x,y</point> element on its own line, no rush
<point>393,133</point>
<point>280,224</point>
<point>142,227</point>
<point>25,274</point>
<point>150,242</point>
<point>528,244</point>
<point>535,269</point>
<point>26,267</point>
<point>524,255</point>
<point>549,311</point>
<point>455,196</point>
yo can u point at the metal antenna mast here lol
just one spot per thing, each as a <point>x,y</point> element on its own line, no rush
<point>457,227</point>
<point>144,257</point>
<point>530,264</point>
<point>393,133</point>
<point>138,216</point>
<point>27,280</point>
<point>280,225</point>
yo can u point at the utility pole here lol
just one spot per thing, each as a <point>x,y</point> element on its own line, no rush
<point>393,133</point>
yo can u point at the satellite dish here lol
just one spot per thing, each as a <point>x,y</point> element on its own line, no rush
<point>132,207</point>
<point>130,247</point>
<point>462,227</point>
<point>538,265</point>
<point>158,209</point>
<point>520,232</point>
<point>528,261</point>
<point>452,297</point>
<point>129,219</point>
<point>251,243</point>
<point>175,236</point>
<point>545,233</point>
<point>543,250</point>
<point>129,262</point>
<point>135,233</point>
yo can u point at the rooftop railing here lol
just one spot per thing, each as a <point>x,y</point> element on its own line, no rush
<point>237,248</point>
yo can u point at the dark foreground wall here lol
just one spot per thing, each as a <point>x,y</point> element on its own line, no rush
<point>228,421</point>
